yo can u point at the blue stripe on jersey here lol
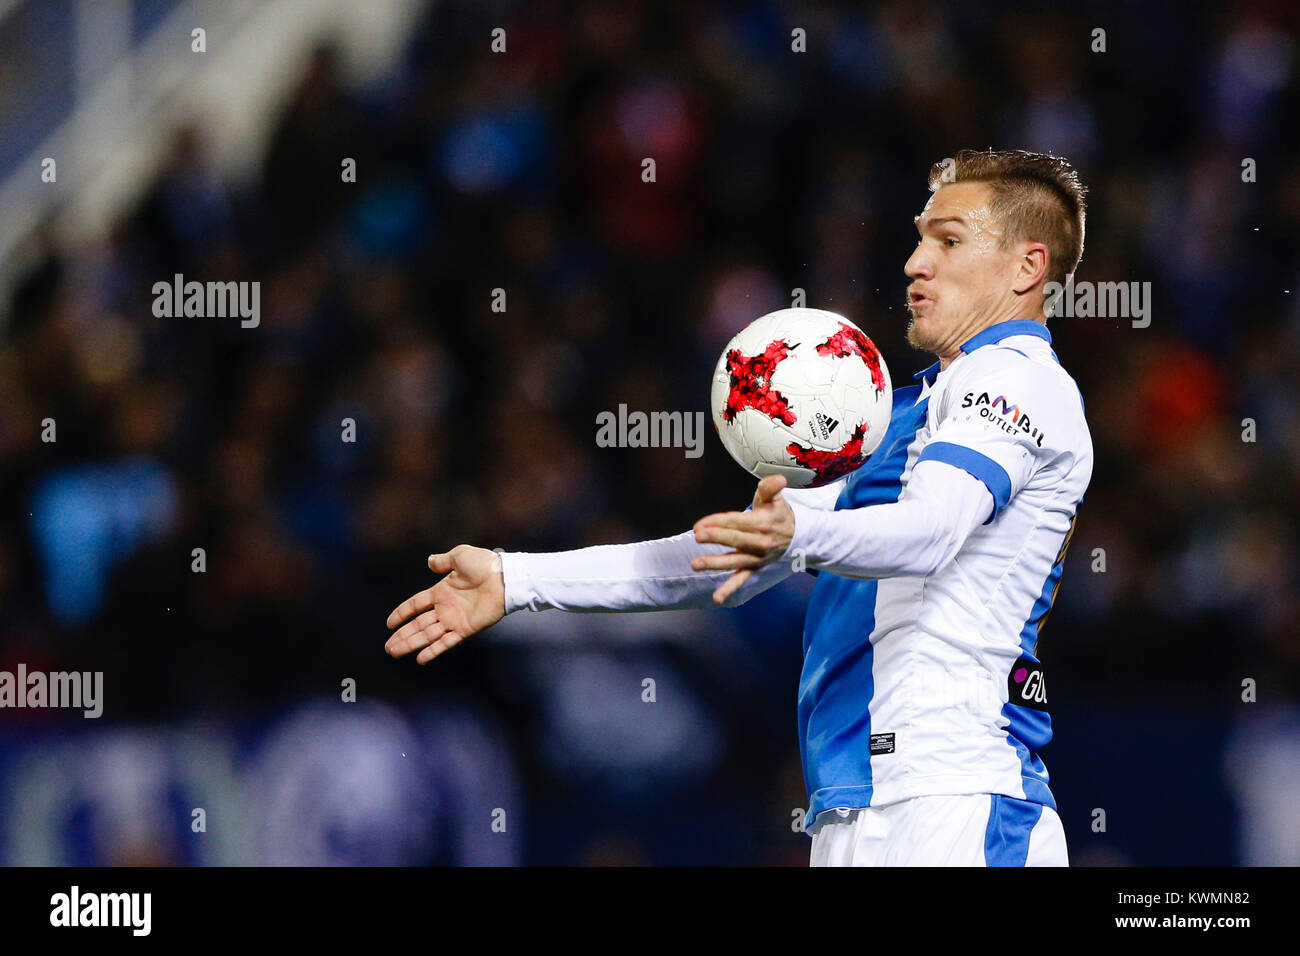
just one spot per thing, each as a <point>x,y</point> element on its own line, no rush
<point>1029,730</point>
<point>981,466</point>
<point>1006,839</point>
<point>836,686</point>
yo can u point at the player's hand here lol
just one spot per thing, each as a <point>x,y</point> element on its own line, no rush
<point>760,536</point>
<point>470,598</point>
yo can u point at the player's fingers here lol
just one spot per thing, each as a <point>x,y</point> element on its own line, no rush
<point>731,585</point>
<point>417,641</point>
<point>415,634</point>
<point>444,643</point>
<point>725,562</point>
<point>768,489</point>
<point>441,563</point>
<point>415,604</point>
<point>748,541</point>
<point>735,520</point>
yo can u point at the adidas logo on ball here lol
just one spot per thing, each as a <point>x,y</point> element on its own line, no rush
<point>826,424</point>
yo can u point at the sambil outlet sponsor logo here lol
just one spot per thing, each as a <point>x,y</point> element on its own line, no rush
<point>1004,413</point>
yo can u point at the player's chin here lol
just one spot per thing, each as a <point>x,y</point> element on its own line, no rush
<point>920,332</point>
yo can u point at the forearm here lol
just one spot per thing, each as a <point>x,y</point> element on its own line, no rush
<point>644,576</point>
<point>916,535</point>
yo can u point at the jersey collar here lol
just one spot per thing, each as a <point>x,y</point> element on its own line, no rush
<point>994,333</point>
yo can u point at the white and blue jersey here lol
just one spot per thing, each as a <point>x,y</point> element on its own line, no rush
<point>918,685</point>
<point>921,676</point>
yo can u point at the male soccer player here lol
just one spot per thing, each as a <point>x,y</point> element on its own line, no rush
<point>922,705</point>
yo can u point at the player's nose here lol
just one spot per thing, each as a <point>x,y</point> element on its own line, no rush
<point>918,265</point>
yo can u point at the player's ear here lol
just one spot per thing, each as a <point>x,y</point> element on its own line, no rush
<point>1032,267</point>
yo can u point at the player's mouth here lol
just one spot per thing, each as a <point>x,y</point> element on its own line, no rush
<point>918,300</point>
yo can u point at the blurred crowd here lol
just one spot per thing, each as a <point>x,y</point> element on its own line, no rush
<point>522,171</point>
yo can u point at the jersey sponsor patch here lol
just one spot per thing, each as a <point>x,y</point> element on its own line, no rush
<point>1026,684</point>
<point>882,743</point>
<point>1002,413</point>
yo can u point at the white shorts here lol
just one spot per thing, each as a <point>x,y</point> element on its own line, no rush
<point>969,829</point>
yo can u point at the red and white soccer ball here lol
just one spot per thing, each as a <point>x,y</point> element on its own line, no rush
<point>801,393</point>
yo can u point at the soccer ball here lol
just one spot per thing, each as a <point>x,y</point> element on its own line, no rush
<point>801,393</point>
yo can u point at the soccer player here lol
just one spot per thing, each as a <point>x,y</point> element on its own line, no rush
<point>922,704</point>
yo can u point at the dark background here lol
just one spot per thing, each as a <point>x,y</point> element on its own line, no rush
<point>522,171</point>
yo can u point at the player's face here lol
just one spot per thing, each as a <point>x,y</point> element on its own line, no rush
<point>960,275</point>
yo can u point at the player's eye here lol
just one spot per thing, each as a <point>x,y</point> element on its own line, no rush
<point>952,241</point>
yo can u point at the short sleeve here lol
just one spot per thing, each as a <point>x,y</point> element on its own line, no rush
<point>1000,417</point>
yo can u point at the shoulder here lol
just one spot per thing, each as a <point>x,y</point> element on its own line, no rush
<point>1021,393</point>
<point>1009,376</point>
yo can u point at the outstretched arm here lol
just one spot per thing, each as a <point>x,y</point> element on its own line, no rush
<point>652,575</point>
<point>483,586</point>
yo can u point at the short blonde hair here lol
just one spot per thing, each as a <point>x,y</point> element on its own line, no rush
<point>1037,198</point>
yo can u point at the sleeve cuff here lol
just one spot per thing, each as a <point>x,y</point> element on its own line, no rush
<point>514,580</point>
<point>806,524</point>
<point>993,475</point>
